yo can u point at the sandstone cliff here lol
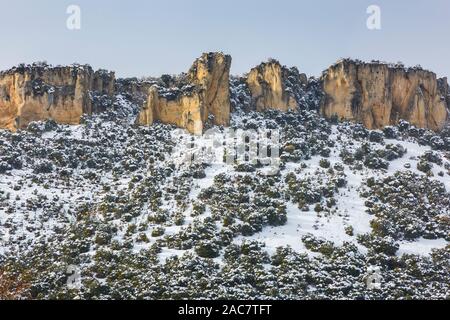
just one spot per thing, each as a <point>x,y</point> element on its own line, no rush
<point>273,86</point>
<point>374,94</point>
<point>191,100</point>
<point>378,95</point>
<point>39,92</point>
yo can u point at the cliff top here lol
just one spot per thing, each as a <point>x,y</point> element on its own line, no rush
<point>42,66</point>
<point>375,63</point>
<point>178,81</point>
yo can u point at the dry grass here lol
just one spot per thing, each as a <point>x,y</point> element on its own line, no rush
<point>13,287</point>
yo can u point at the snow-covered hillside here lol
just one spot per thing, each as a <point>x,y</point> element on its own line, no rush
<point>117,203</point>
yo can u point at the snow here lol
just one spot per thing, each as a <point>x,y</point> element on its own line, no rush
<point>412,157</point>
<point>332,228</point>
<point>211,172</point>
<point>351,212</point>
<point>351,209</point>
<point>421,247</point>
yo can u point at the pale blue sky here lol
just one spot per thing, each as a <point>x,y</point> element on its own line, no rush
<point>151,37</point>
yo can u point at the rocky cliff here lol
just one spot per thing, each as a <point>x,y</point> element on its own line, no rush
<point>273,86</point>
<point>39,92</point>
<point>379,95</point>
<point>374,94</point>
<point>191,100</point>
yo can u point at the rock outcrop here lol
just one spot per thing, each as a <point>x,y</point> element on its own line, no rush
<point>191,100</point>
<point>374,94</point>
<point>272,86</point>
<point>378,95</point>
<point>39,92</point>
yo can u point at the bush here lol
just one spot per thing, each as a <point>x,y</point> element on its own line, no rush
<point>379,245</point>
<point>424,166</point>
<point>432,157</point>
<point>372,161</point>
<point>245,167</point>
<point>43,167</point>
<point>376,137</point>
<point>408,206</point>
<point>317,245</point>
<point>14,286</point>
<point>207,249</point>
<point>158,232</point>
<point>103,238</point>
<point>390,132</point>
<point>324,163</point>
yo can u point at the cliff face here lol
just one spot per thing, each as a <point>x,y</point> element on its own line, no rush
<point>179,108</point>
<point>34,93</point>
<point>211,73</point>
<point>190,100</point>
<point>374,94</point>
<point>379,95</point>
<point>269,86</point>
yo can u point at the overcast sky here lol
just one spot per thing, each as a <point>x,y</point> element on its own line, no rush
<point>152,37</point>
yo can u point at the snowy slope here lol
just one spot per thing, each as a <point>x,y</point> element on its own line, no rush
<point>107,196</point>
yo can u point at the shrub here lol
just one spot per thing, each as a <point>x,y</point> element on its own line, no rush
<point>424,166</point>
<point>207,249</point>
<point>390,132</point>
<point>378,245</point>
<point>158,232</point>
<point>317,245</point>
<point>43,167</point>
<point>375,136</point>
<point>408,206</point>
<point>14,286</point>
<point>324,163</point>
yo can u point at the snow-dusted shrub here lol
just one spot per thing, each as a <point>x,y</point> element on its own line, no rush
<point>409,206</point>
